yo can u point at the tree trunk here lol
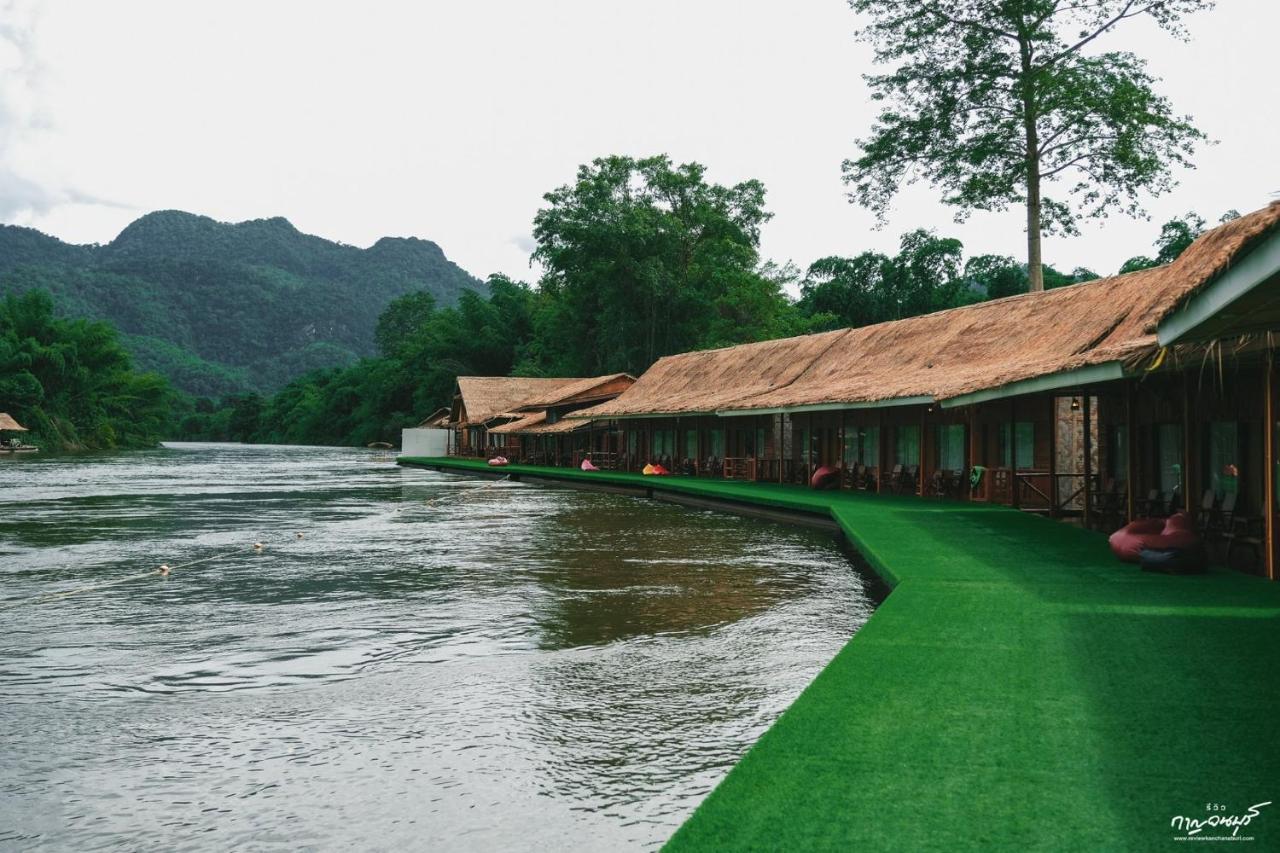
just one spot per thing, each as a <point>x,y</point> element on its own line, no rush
<point>1035,272</point>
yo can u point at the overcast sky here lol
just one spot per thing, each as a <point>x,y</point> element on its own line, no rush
<point>449,121</point>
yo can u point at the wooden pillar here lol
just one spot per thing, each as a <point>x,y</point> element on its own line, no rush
<point>1190,464</point>
<point>840,448</point>
<point>1088,454</point>
<point>971,448</point>
<point>1131,452</point>
<point>920,450</point>
<point>1015,499</point>
<point>1269,469</point>
<point>881,452</point>
<point>1053,456</point>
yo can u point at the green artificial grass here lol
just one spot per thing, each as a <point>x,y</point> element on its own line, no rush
<point>1019,689</point>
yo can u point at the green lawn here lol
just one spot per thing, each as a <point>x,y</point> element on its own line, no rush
<point>1019,689</point>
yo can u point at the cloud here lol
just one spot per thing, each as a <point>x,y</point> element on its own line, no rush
<point>525,243</point>
<point>29,187</point>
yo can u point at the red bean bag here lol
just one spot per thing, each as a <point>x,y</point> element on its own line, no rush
<point>660,471</point>
<point>1175,532</point>
<point>825,477</point>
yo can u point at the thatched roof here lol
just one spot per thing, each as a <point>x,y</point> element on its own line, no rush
<point>536,424</point>
<point>436,419</point>
<point>488,397</point>
<point>947,354</point>
<point>9,424</point>
<point>582,389</point>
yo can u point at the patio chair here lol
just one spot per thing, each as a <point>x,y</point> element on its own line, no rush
<point>1245,530</point>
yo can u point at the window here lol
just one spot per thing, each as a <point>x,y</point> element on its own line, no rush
<point>664,442</point>
<point>871,446</point>
<point>907,446</point>
<point>1119,455</point>
<point>804,445</point>
<point>850,451</point>
<point>633,442</point>
<point>1224,456</point>
<point>717,443</point>
<point>691,444</point>
<point>1025,432</point>
<point>1169,456</point>
<point>951,447</point>
<point>760,447</point>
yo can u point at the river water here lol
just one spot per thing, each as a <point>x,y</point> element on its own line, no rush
<point>437,663</point>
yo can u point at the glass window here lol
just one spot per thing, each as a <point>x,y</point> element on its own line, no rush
<point>1224,456</point>
<point>871,446</point>
<point>760,448</point>
<point>907,446</point>
<point>1119,455</point>
<point>849,453</point>
<point>803,438</point>
<point>717,443</point>
<point>1169,454</point>
<point>951,447</point>
<point>1025,431</point>
<point>633,441</point>
<point>691,444</point>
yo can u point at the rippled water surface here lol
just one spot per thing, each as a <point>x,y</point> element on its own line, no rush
<point>510,667</point>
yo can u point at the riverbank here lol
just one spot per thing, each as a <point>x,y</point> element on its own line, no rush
<point>1019,689</point>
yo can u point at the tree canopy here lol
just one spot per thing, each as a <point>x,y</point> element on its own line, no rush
<point>72,383</point>
<point>992,100</point>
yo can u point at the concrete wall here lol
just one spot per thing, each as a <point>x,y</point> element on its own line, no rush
<point>424,442</point>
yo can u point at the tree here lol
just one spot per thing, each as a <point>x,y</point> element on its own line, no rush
<point>640,255</point>
<point>993,99</point>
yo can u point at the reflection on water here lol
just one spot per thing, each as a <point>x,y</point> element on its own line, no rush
<point>514,666</point>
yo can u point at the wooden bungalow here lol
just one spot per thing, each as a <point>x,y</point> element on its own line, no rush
<point>1131,395</point>
<point>523,417</point>
<point>481,402</point>
<point>545,435</point>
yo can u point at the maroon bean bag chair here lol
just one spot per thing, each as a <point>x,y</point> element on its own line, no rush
<point>1157,534</point>
<point>825,477</point>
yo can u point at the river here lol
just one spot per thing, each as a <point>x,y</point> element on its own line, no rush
<point>413,660</point>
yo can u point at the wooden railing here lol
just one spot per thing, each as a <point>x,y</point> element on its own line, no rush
<point>739,468</point>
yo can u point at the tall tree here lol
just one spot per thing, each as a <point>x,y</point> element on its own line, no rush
<point>641,255</point>
<point>992,99</point>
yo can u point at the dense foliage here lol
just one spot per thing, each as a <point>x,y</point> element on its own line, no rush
<point>683,260</point>
<point>992,100</point>
<point>645,258</point>
<point>72,383</point>
<point>220,308</point>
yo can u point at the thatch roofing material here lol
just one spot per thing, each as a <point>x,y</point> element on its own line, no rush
<point>536,424</point>
<point>576,388</point>
<point>9,424</point>
<point>946,354</point>
<point>488,397</point>
<point>702,382</point>
<point>438,418</point>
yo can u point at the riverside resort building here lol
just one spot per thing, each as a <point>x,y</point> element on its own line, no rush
<point>1130,396</point>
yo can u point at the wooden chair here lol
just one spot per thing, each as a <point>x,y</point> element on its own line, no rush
<point>1242,530</point>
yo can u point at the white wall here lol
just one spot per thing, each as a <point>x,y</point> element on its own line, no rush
<point>424,442</point>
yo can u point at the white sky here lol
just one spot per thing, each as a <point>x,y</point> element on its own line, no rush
<point>449,121</point>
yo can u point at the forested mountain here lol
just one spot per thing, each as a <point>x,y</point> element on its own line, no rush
<point>224,308</point>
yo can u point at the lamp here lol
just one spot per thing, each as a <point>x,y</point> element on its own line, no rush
<point>1075,404</point>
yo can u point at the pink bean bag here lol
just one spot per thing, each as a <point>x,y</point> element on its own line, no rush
<point>498,461</point>
<point>587,466</point>
<point>825,477</point>
<point>1176,531</point>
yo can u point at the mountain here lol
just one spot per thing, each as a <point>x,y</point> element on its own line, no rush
<point>222,308</point>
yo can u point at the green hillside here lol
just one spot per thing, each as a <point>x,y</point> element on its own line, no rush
<point>222,308</point>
